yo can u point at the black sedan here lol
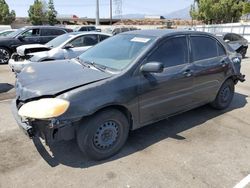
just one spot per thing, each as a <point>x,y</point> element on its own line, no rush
<point>235,41</point>
<point>124,83</point>
<point>27,35</point>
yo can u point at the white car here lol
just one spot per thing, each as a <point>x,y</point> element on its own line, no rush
<point>66,46</point>
<point>6,32</point>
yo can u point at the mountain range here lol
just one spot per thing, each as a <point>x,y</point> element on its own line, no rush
<point>179,14</point>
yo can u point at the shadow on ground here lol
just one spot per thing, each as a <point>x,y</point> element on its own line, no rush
<point>67,153</point>
<point>5,87</point>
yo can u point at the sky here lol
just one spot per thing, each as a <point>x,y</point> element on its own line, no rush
<point>86,8</point>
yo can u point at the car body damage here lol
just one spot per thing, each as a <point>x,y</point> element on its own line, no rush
<point>26,49</point>
<point>33,81</point>
<point>235,41</point>
<point>142,89</point>
<point>66,46</point>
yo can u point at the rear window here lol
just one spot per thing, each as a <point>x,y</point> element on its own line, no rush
<point>52,32</point>
<point>103,37</point>
<point>221,50</point>
<point>203,48</point>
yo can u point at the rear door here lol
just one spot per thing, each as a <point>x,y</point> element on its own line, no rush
<point>80,45</point>
<point>47,34</point>
<point>169,92</point>
<point>210,64</point>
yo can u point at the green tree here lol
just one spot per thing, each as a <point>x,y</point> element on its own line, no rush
<point>217,11</point>
<point>37,13</point>
<point>6,17</point>
<point>51,13</point>
<point>246,8</point>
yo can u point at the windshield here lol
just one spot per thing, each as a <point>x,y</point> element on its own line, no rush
<point>59,40</point>
<point>15,33</point>
<point>117,52</point>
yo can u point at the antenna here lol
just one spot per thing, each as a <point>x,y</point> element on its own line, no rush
<point>118,8</point>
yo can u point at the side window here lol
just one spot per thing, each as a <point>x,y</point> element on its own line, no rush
<point>103,37</point>
<point>83,29</point>
<point>221,50</point>
<point>203,48</point>
<point>32,33</point>
<point>52,32</point>
<point>172,53</point>
<point>87,40</point>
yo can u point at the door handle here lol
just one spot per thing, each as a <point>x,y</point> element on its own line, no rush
<point>187,73</point>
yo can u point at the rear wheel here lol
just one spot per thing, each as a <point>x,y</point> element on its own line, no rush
<point>103,135</point>
<point>224,96</point>
<point>4,55</point>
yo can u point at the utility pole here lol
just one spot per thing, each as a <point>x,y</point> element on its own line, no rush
<point>97,22</point>
<point>111,12</point>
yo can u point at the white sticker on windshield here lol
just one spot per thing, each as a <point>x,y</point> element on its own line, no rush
<point>139,39</point>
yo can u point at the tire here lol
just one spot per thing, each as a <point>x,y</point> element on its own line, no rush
<point>103,134</point>
<point>5,55</point>
<point>224,96</point>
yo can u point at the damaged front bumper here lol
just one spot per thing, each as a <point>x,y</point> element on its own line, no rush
<point>50,130</point>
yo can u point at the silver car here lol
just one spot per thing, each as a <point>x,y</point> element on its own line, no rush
<point>66,46</point>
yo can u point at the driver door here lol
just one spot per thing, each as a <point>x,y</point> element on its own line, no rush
<point>169,92</point>
<point>32,36</point>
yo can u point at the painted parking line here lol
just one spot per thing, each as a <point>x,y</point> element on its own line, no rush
<point>244,182</point>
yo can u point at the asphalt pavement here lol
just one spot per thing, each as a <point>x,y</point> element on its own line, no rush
<point>200,148</point>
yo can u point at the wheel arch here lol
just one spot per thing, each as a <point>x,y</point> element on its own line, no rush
<point>118,107</point>
<point>122,109</point>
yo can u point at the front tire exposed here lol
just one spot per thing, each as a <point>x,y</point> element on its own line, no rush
<point>224,96</point>
<point>4,55</point>
<point>103,134</point>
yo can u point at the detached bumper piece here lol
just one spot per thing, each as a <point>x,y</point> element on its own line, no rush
<point>241,77</point>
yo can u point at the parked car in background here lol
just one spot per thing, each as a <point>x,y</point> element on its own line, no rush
<point>124,83</point>
<point>118,30</point>
<point>28,35</point>
<point>235,41</point>
<point>86,28</point>
<point>6,32</point>
<point>66,46</point>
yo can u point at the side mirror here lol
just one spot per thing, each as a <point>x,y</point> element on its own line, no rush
<point>20,37</point>
<point>68,46</point>
<point>152,67</point>
<point>227,41</point>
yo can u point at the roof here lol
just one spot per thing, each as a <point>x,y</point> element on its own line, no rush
<point>45,26</point>
<point>163,32</point>
<point>86,33</point>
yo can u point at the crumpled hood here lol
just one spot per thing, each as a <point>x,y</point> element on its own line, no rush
<point>53,77</point>
<point>37,56</point>
<point>22,50</point>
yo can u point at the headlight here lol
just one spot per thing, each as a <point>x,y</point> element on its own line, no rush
<point>44,108</point>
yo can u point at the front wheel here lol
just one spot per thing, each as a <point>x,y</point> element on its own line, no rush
<point>224,96</point>
<point>103,134</point>
<point>4,55</point>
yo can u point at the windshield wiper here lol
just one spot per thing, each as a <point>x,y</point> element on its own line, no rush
<point>91,63</point>
<point>95,65</point>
